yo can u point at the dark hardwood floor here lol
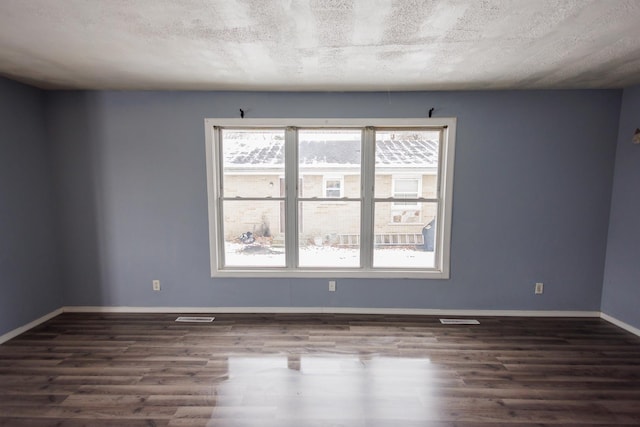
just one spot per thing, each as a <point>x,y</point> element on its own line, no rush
<point>319,370</point>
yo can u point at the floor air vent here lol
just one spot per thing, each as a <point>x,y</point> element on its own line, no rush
<point>195,319</point>
<point>459,322</point>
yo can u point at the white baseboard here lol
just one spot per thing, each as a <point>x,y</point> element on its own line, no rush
<point>331,310</point>
<point>14,333</point>
<point>620,324</point>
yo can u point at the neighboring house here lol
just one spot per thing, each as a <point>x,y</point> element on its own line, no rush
<point>330,169</point>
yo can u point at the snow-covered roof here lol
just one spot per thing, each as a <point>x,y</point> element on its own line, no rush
<point>418,152</point>
<point>327,153</point>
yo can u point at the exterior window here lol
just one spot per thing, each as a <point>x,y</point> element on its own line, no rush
<point>273,185</point>
<point>406,211</point>
<point>333,187</point>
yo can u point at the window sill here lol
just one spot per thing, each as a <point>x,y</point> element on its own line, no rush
<point>334,273</point>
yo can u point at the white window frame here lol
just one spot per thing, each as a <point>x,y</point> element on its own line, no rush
<point>444,198</point>
<point>326,179</point>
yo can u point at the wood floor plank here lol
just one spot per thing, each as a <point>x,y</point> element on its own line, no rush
<point>319,370</point>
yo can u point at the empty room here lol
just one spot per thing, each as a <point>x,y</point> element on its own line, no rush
<point>344,213</point>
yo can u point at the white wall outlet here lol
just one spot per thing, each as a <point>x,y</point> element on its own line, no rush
<point>539,288</point>
<point>332,285</point>
<point>156,285</point>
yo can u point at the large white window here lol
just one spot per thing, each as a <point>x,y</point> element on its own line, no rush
<point>273,185</point>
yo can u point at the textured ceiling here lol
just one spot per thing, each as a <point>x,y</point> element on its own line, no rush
<point>320,44</point>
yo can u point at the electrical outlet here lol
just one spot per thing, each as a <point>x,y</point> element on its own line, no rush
<point>539,288</point>
<point>156,285</point>
<point>332,285</point>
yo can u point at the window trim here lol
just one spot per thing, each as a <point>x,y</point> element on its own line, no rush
<point>444,195</point>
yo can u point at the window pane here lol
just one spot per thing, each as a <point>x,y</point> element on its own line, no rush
<point>333,184</point>
<point>253,162</point>
<point>406,187</point>
<point>329,234</point>
<point>406,213</point>
<point>323,152</point>
<point>404,238</point>
<point>406,152</point>
<point>333,187</point>
<point>252,236</point>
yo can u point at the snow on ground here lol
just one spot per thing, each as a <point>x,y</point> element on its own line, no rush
<point>238,255</point>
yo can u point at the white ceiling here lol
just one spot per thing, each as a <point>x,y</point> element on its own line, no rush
<point>320,45</point>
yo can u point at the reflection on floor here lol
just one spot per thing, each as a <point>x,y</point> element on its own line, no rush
<point>334,389</point>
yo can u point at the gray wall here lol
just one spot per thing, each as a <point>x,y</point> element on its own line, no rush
<point>29,272</point>
<point>532,191</point>
<point>621,293</point>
